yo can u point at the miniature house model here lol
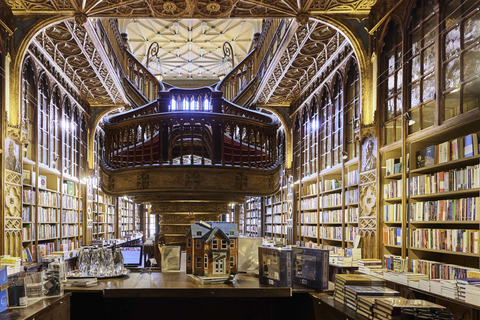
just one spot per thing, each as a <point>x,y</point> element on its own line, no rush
<point>212,249</point>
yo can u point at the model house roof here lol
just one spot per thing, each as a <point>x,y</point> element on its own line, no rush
<point>216,231</point>
<point>198,231</point>
<point>201,229</point>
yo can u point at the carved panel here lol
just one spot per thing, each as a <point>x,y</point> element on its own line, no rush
<point>142,180</point>
<point>13,214</point>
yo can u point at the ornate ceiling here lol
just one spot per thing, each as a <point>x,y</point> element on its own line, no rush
<point>310,49</point>
<point>189,49</point>
<point>70,49</point>
<point>200,9</point>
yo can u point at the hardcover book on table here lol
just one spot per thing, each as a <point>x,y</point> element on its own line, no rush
<point>275,266</point>
<point>311,267</point>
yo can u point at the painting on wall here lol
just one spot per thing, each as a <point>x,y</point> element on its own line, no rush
<point>369,154</point>
<point>12,155</point>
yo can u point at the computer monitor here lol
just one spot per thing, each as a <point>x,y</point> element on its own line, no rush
<point>132,256</point>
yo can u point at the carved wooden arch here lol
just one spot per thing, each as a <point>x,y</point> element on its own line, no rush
<point>398,22</point>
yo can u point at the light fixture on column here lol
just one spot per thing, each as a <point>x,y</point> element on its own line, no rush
<point>408,117</point>
<point>153,61</point>
<point>227,60</point>
<point>344,155</point>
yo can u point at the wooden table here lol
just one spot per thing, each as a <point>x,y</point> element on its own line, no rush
<point>326,308</point>
<point>175,295</point>
<point>47,308</point>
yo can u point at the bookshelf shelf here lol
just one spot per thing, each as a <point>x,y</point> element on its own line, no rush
<point>446,222</point>
<point>449,194</point>
<point>448,165</point>
<point>445,252</point>
<point>396,176</point>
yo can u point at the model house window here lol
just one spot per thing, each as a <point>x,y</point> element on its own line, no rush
<point>232,233</point>
<point>198,262</point>
<point>224,244</point>
<point>199,233</point>
<point>206,261</point>
<point>232,244</point>
<point>189,243</point>
<point>198,244</point>
<point>215,244</point>
<point>232,262</point>
<point>189,260</point>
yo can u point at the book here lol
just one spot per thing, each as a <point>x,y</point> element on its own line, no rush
<point>444,152</point>
<point>70,188</point>
<point>26,177</point>
<point>430,156</point>
<point>397,167</point>
<point>456,149</point>
<point>393,306</point>
<point>42,181</point>
<point>470,145</point>
<point>420,158</point>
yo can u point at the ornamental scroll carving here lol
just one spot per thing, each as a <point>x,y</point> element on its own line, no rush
<point>367,193</point>
<point>13,213</point>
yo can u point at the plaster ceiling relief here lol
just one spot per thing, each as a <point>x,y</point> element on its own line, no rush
<point>197,9</point>
<point>69,47</point>
<point>189,49</point>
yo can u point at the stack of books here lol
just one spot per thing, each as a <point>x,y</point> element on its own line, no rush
<point>342,280</point>
<point>387,308</point>
<point>463,283</point>
<point>365,306</point>
<point>424,284</point>
<point>450,289</point>
<point>472,294</point>
<point>365,265</point>
<point>352,293</point>
<point>344,261</point>
<point>411,278</point>
<point>436,286</point>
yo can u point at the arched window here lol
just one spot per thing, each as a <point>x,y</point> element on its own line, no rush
<point>325,131</point>
<point>352,110</point>
<point>67,137</point>
<point>421,76</point>
<point>337,122</point>
<point>461,61</point>
<point>44,124</point>
<point>55,127</point>
<point>391,73</point>
<point>29,103</point>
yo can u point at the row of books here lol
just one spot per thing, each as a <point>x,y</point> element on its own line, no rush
<point>69,216</point>
<point>438,270</point>
<point>331,233</point>
<point>26,216</point>
<point>48,215</point>
<point>309,204</point>
<point>392,236</point>
<point>69,230</point>
<point>332,216</point>
<point>353,214</point>
<point>70,202</point>
<point>43,250</point>
<point>309,189</point>
<point>455,149</point>
<point>332,200</point>
<point>28,196</point>
<point>68,187</point>
<point>352,177</point>
<point>28,232</point>
<point>332,184</point>
<point>309,217</point>
<point>455,240</point>
<point>351,233</point>
<point>47,198</point>
<point>463,209</point>
<point>47,231</point>
<point>393,166</point>
<point>392,212</point>
<point>365,265</point>
<point>445,181</point>
<point>395,263</point>
<point>270,219</point>
<point>351,196</point>
<point>393,189</point>
<point>309,231</point>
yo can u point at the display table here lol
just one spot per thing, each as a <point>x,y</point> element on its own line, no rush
<point>47,308</point>
<point>175,295</point>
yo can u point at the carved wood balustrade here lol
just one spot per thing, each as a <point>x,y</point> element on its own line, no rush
<point>142,78</point>
<point>194,127</point>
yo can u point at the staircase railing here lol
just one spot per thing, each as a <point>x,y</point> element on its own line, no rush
<point>250,69</point>
<point>216,133</point>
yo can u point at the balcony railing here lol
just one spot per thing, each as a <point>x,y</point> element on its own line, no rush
<point>190,127</point>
